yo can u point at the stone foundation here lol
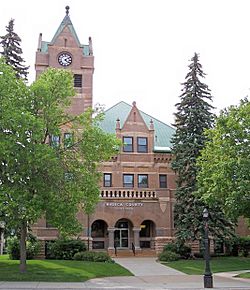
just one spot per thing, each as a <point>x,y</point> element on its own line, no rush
<point>160,242</point>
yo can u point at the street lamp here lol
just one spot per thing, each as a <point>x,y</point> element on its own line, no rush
<point>208,277</point>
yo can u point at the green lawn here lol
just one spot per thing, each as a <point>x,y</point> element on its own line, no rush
<point>244,275</point>
<point>58,271</point>
<point>220,264</point>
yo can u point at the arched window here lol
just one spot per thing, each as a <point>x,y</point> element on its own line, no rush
<point>98,229</point>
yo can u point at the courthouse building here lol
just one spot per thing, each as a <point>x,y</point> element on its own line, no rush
<point>135,210</point>
<point>137,190</point>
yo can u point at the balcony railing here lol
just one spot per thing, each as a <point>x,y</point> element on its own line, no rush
<point>128,193</point>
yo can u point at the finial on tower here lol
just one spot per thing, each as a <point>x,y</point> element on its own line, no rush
<point>67,10</point>
<point>118,124</point>
<point>151,126</point>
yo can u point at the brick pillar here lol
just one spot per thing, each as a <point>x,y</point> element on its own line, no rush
<point>137,238</point>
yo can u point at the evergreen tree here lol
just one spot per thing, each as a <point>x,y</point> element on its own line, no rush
<point>12,51</point>
<point>192,118</point>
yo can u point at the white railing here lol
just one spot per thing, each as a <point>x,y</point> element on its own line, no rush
<point>127,193</point>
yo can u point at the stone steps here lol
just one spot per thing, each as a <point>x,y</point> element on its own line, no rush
<point>129,253</point>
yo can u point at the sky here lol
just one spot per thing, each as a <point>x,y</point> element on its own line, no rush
<point>142,48</point>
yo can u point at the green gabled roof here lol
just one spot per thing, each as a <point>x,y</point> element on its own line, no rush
<point>163,132</point>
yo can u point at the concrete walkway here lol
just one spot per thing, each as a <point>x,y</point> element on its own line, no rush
<point>148,275</point>
<point>146,267</point>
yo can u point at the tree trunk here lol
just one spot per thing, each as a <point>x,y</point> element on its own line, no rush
<point>23,246</point>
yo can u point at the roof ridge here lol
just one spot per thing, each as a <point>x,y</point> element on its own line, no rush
<point>116,105</point>
<point>157,119</point>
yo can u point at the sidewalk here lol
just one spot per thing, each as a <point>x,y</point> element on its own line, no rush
<point>148,275</point>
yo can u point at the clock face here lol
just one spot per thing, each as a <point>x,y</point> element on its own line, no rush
<point>64,59</point>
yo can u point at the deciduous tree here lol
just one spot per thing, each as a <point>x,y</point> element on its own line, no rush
<point>39,175</point>
<point>225,162</point>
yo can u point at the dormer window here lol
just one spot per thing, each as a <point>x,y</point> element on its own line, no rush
<point>142,144</point>
<point>127,144</point>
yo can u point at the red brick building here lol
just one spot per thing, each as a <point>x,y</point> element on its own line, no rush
<point>137,190</point>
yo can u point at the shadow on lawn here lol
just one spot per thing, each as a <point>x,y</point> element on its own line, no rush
<point>59,271</point>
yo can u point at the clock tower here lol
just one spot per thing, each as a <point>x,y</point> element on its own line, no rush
<point>65,51</point>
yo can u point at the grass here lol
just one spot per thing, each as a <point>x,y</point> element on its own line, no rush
<point>58,270</point>
<point>244,275</point>
<point>220,264</point>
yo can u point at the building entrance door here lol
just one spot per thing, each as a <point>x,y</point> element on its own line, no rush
<point>121,235</point>
<point>121,238</point>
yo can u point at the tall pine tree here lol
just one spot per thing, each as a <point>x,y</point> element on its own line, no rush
<point>192,118</point>
<point>12,51</point>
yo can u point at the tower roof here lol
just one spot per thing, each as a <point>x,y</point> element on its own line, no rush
<point>66,22</point>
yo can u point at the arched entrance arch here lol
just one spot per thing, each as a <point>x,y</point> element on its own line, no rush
<point>122,234</point>
<point>147,234</point>
<point>99,231</point>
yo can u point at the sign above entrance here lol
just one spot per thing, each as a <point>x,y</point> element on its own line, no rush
<point>124,204</point>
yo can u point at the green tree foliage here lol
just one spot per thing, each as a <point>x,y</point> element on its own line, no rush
<point>225,162</point>
<point>12,51</point>
<point>37,178</point>
<point>192,118</point>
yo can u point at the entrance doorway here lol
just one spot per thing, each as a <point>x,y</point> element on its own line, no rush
<point>121,238</point>
<point>121,235</point>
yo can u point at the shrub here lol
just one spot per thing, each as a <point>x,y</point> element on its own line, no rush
<point>182,250</point>
<point>32,247</point>
<point>93,257</point>
<point>239,246</point>
<point>168,256</point>
<point>172,247</point>
<point>244,246</point>
<point>63,249</point>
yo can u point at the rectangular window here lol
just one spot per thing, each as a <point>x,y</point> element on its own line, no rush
<point>127,144</point>
<point>107,180</point>
<point>55,141</point>
<point>128,180</point>
<point>163,180</point>
<point>142,144</point>
<point>68,140</point>
<point>98,245</point>
<point>142,180</point>
<point>77,81</point>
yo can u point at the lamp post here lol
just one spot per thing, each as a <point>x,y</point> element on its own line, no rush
<point>208,277</point>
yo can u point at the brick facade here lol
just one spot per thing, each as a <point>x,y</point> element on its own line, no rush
<point>138,213</point>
